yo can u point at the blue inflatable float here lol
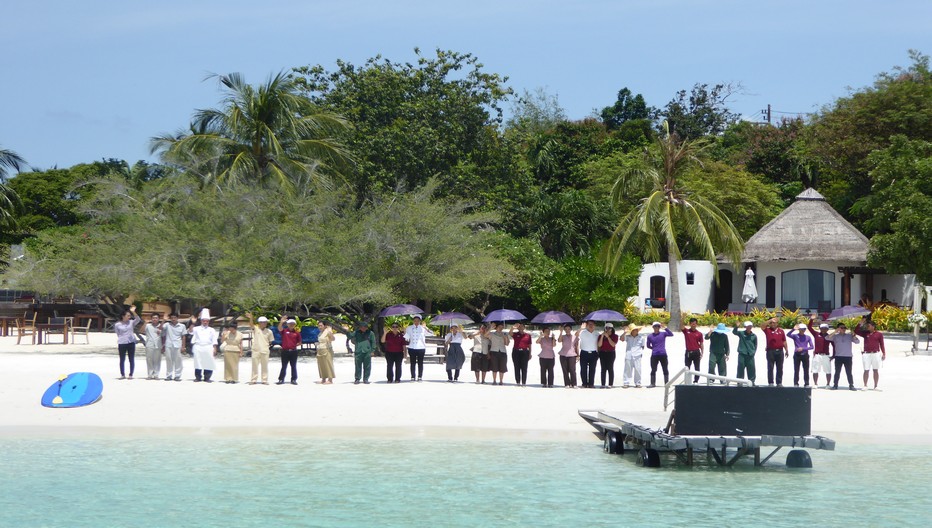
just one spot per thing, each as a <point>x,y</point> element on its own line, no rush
<point>74,390</point>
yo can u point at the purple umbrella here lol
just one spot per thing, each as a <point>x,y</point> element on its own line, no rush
<point>552,317</point>
<point>848,311</point>
<point>504,315</point>
<point>450,319</point>
<point>401,309</point>
<point>605,315</point>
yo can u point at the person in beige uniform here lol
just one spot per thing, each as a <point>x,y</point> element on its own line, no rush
<point>262,338</point>
<point>231,344</point>
<point>325,353</point>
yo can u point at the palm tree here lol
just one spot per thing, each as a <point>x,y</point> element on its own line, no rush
<point>8,197</point>
<point>261,135</point>
<point>670,212</point>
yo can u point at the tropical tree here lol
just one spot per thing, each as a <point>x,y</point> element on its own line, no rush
<point>670,214</point>
<point>266,134</point>
<point>8,197</point>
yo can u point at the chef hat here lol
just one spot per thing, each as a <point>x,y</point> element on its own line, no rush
<point>205,314</point>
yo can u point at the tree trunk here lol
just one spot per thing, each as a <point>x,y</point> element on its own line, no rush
<point>673,304</point>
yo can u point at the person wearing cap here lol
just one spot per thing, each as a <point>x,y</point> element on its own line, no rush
<point>657,343</point>
<point>568,355</point>
<point>126,339</point>
<point>694,346</point>
<point>393,343</point>
<point>747,347</point>
<point>520,353</point>
<point>608,340</point>
<point>363,340</point>
<point>291,341</point>
<point>498,355</point>
<point>173,343</point>
<point>821,352</point>
<point>231,344</point>
<point>152,330</point>
<point>325,339</point>
<point>803,344</point>
<point>455,355</point>
<point>203,347</point>
<point>262,338</point>
<point>416,337</point>
<point>587,341</point>
<point>874,350</point>
<point>843,342</point>
<point>635,343</point>
<point>777,350</point>
<point>719,350</point>
<point>547,356</point>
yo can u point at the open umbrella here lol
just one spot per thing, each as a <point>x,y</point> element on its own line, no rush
<point>401,309</point>
<point>749,293</point>
<point>552,317</point>
<point>605,315</point>
<point>848,311</point>
<point>504,315</point>
<point>450,319</point>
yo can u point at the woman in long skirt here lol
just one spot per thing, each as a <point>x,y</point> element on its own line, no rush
<point>455,355</point>
<point>325,353</point>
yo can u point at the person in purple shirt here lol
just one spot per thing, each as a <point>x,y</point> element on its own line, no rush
<point>803,344</point>
<point>657,343</point>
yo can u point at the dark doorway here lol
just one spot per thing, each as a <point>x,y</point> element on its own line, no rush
<point>770,292</point>
<point>723,291</point>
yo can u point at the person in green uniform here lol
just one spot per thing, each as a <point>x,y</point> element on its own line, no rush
<point>363,340</point>
<point>718,350</point>
<point>747,346</point>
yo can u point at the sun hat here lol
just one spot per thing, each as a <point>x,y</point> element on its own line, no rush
<point>720,328</point>
<point>748,323</point>
<point>655,323</point>
<point>262,319</point>
<point>634,328</point>
<point>291,321</point>
<point>823,325</point>
<point>609,325</point>
<point>801,326</point>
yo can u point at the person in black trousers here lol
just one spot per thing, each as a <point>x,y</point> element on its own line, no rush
<point>607,341</point>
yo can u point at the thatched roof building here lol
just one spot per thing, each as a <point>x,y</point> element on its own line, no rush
<point>809,229</point>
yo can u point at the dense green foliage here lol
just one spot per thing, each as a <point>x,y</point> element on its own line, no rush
<point>392,181</point>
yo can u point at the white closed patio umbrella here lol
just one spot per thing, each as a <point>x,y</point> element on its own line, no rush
<point>749,293</point>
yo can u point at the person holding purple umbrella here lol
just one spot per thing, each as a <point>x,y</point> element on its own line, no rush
<point>455,355</point>
<point>520,353</point>
<point>546,357</point>
<point>498,355</point>
<point>657,343</point>
<point>568,356</point>
<point>608,339</point>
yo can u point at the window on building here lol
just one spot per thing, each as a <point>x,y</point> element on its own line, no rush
<point>690,277</point>
<point>808,288</point>
<point>770,292</point>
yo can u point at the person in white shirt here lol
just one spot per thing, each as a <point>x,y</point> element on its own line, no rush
<point>635,344</point>
<point>415,336</point>
<point>588,346</point>
<point>173,339</point>
<point>455,355</point>
<point>204,346</point>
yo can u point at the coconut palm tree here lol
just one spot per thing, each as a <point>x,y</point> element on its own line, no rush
<point>8,197</point>
<point>669,212</point>
<point>266,134</point>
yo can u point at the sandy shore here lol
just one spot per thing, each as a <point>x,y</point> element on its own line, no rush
<point>898,413</point>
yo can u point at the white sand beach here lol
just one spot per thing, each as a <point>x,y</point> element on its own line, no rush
<point>898,413</point>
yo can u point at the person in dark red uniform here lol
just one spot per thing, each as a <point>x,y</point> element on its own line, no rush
<point>393,344</point>
<point>291,341</point>
<point>694,345</point>
<point>520,352</point>
<point>777,351</point>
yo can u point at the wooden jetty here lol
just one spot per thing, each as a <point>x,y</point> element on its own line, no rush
<point>624,432</point>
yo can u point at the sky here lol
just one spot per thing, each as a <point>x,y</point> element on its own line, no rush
<point>84,81</point>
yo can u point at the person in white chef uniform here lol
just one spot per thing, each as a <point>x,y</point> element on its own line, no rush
<point>204,347</point>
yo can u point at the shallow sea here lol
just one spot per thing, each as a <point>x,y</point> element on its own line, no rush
<point>233,481</point>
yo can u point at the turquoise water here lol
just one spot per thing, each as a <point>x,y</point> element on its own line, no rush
<point>318,481</point>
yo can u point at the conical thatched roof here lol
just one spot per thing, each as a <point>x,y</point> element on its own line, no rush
<point>809,229</point>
